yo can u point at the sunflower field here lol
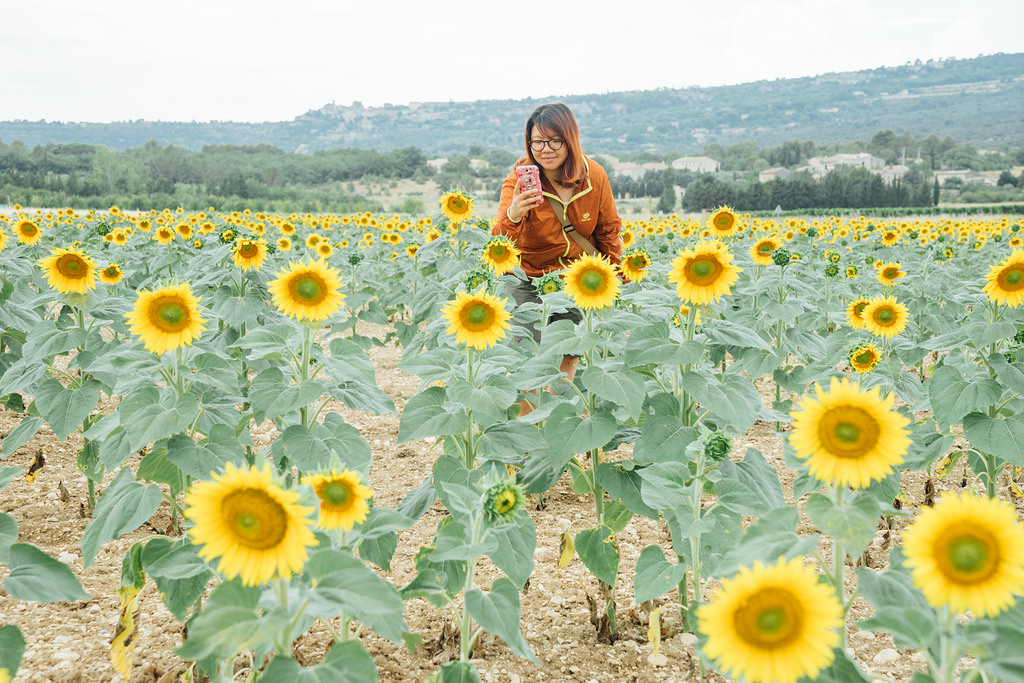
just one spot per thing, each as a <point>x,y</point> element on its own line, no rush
<point>213,375</point>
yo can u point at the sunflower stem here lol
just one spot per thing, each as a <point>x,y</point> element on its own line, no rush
<point>839,570</point>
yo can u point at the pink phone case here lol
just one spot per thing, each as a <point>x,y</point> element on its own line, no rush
<point>529,178</point>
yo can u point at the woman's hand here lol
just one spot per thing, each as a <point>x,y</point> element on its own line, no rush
<point>522,202</point>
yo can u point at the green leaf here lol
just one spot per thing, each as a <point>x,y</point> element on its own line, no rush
<point>433,364</point>
<point>595,548</point>
<point>952,397</point>
<point>621,387</point>
<point>771,537</point>
<point>302,448</point>
<point>663,439</point>
<point>852,526</point>
<point>982,333</point>
<point>179,594</point>
<point>194,460</point>
<point>345,662</point>
<point>22,376</point>
<point>514,554</point>
<point>271,396</point>
<point>34,576</point>
<point>655,575</point>
<point>124,506</point>
<point>891,587</point>
<point>750,487</point>
<point>343,583</point>
<point>229,623</point>
<point>20,435</point>
<point>626,486</point>
<point>666,485</point>
<point>488,402</point>
<point>577,435</point>
<point>8,534</point>
<point>65,409</point>
<point>457,672</point>
<point>12,649</point>
<point>910,627</point>
<point>237,310</point>
<point>267,342</point>
<point>9,474</point>
<point>842,670</point>
<point>1002,437</point>
<point>427,414</point>
<point>148,416</point>
<point>733,399</point>
<point>498,611</point>
<point>726,333</point>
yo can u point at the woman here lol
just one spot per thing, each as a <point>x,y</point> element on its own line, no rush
<point>574,192</point>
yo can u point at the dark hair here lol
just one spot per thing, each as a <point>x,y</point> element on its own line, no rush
<point>558,119</point>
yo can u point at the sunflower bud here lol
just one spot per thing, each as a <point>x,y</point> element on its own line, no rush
<point>781,256</point>
<point>503,502</point>
<point>718,446</point>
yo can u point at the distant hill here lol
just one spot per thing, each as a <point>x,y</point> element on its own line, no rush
<point>977,101</point>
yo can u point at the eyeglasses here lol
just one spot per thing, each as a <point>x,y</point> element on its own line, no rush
<point>553,145</point>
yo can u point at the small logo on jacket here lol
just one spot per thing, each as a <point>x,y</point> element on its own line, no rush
<point>585,217</point>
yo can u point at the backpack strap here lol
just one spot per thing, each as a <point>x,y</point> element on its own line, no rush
<point>569,229</point>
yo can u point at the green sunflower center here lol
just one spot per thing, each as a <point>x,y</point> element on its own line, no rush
<point>885,316</point>
<point>498,252</point>
<point>864,358</point>
<point>703,271</point>
<point>592,281</point>
<point>724,221</point>
<point>504,501</point>
<point>967,554</point>
<point>248,249</point>
<point>457,205</point>
<point>1012,278</point>
<point>848,432</point>
<point>769,619</point>
<point>309,289</point>
<point>478,315</point>
<point>169,314</point>
<point>336,493</point>
<point>254,518</point>
<point>72,267</point>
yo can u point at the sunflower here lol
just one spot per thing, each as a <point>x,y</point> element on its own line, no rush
<point>703,273</point>
<point>342,499</point>
<point>324,249</point>
<point>478,320</point>
<point>885,317</point>
<point>888,273</point>
<point>591,283</point>
<point>309,290</point>
<point>1004,283</point>
<point>772,624</point>
<point>723,222</point>
<point>478,277</point>
<point>256,528</point>
<point>111,275</point>
<point>968,553</point>
<point>184,230</point>
<point>548,283</point>
<point>890,237</point>
<point>69,271</point>
<point>27,232</point>
<point>164,235</point>
<point>761,251</point>
<point>864,358</point>
<point>120,237</point>
<point>3,240</point>
<point>166,318</point>
<point>851,271</point>
<point>500,254</point>
<point>627,238</point>
<point>312,240</point>
<point>411,250</point>
<point>457,206</point>
<point>850,436</point>
<point>283,244</point>
<point>855,313</point>
<point>684,315</point>
<point>635,264</point>
<point>249,254</point>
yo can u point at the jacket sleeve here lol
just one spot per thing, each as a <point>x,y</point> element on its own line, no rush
<point>503,226</point>
<point>609,225</point>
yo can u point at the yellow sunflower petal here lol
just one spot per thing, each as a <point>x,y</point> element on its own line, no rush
<point>167,318</point>
<point>478,320</point>
<point>590,282</point>
<point>307,291</point>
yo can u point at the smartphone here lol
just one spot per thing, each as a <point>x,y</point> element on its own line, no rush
<point>529,179</point>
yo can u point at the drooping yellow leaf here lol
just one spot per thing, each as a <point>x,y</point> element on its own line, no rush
<point>122,645</point>
<point>566,550</point>
<point>36,467</point>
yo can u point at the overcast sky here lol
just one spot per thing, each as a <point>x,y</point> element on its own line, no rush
<point>273,60</point>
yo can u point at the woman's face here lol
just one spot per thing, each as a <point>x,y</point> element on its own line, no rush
<point>548,159</point>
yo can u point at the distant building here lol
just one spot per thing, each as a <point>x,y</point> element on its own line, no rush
<point>437,164</point>
<point>892,173</point>
<point>696,164</point>
<point>637,171</point>
<point>777,173</point>
<point>820,166</point>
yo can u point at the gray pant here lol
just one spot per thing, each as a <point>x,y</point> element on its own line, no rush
<point>524,291</point>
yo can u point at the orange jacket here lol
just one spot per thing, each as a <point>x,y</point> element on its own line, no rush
<point>539,236</point>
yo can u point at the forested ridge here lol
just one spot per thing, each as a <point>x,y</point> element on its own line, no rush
<point>976,101</point>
